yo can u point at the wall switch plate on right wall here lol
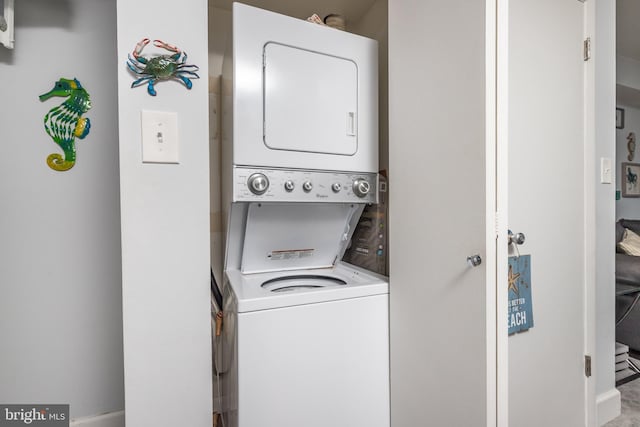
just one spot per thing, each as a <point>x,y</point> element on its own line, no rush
<point>606,176</point>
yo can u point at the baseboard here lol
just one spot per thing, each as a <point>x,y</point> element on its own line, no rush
<point>112,419</point>
<point>608,406</point>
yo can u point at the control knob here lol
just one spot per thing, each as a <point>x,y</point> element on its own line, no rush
<point>336,187</point>
<point>361,187</point>
<point>258,183</point>
<point>307,186</point>
<point>289,186</point>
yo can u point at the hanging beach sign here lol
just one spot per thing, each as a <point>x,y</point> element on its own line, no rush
<point>520,309</point>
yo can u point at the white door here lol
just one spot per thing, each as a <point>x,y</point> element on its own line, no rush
<point>546,202</point>
<point>442,311</point>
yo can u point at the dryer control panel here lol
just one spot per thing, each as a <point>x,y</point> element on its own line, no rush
<point>293,185</point>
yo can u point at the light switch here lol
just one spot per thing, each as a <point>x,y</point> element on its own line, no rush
<point>605,170</point>
<point>159,137</point>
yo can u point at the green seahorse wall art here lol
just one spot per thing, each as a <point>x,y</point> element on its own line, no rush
<point>64,123</point>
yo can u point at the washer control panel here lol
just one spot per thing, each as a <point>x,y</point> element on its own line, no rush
<point>292,185</point>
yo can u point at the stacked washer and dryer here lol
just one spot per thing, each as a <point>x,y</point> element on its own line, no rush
<point>306,337</point>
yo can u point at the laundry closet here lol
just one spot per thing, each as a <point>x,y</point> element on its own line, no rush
<point>295,125</point>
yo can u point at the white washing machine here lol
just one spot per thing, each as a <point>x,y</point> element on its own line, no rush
<point>307,343</point>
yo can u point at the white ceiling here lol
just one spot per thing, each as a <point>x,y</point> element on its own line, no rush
<point>351,10</point>
<point>627,28</point>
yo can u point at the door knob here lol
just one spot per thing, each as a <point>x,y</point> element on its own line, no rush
<point>474,260</point>
<point>517,238</point>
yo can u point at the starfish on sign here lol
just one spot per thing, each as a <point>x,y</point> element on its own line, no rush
<point>513,281</point>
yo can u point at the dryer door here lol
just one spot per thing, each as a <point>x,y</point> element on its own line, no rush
<point>310,101</point>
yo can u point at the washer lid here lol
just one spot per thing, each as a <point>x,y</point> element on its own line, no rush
<point>293,236</point>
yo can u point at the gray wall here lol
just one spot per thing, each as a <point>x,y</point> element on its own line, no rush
<point>627,207</point>
<point>60,275</point>
<point>628,97</point>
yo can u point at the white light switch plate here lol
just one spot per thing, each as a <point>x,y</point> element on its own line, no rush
<point>159,137</point>
<point>605,170</point>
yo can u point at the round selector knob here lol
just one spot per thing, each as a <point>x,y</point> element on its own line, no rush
<point>336,187</point>
<point>307,186</point>
<point>289,186</point>
<point>258,183</point>
<point>361,187</point>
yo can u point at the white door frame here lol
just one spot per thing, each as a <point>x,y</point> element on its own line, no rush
<point>501,105</point>
<point>590,217</point>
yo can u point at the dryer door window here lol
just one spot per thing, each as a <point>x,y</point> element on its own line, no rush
<point>310,101</point>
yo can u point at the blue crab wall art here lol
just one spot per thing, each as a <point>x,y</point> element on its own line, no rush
<point>151,69</point>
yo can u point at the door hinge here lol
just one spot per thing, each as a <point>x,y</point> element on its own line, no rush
<point>587,366</point>
<point>586,49</point>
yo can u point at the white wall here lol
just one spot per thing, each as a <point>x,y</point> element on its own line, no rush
<point>627,207</point>
<point>165,223</point>
<point>60,285</point>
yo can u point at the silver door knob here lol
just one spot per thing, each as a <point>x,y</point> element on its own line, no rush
<point>474,260</point>
<point>517,238</point>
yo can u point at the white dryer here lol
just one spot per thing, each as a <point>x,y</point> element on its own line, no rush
<point>304,96</point>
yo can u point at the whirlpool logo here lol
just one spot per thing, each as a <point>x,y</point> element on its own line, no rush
<point>34,415</point>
